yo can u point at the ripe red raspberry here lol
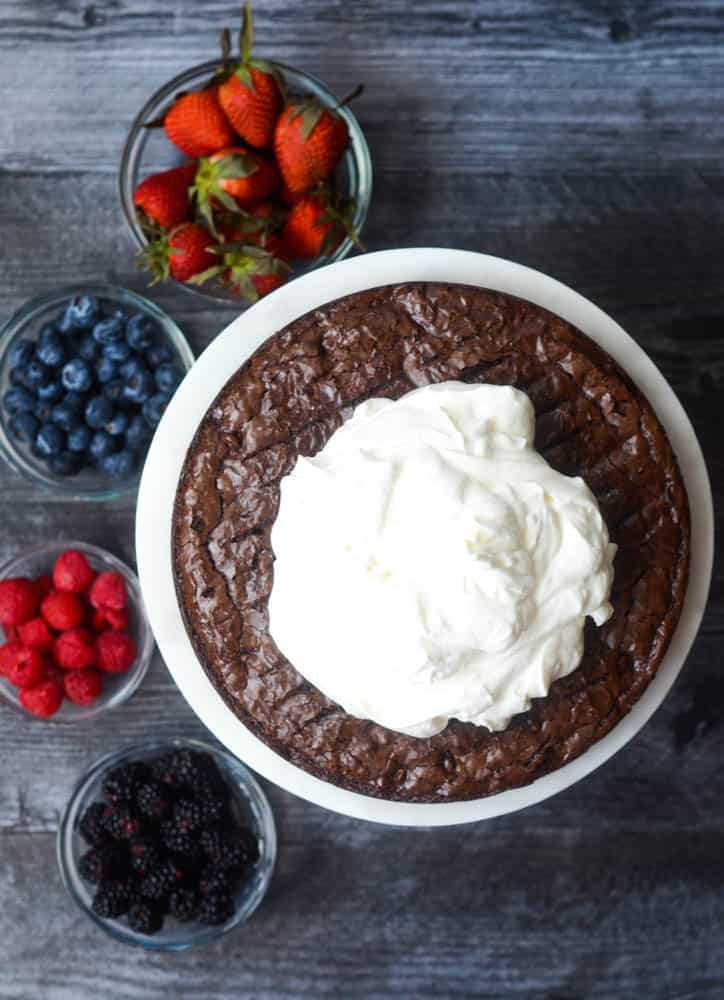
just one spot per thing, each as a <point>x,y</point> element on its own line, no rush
<point>36,633</point>
<point>72,572</point>
<point>54,673</point>
<point>116,652</point>
<point>62,611</point>
<point>18,601</point>
<point>74,650</point>
<point>43,586</point>
<point>109,591</point>
<point>11,633</point>
<point>107,618</point>
<point>27,666</point>
<point>82,687</point>
<point>43,699</point>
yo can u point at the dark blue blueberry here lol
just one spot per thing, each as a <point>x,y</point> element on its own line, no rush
<point>79,438</point>
<point>77,375</point>
<point>140,331</point>
<point>98,412</point>
<point>65,415</point>
<point>113,390</point>
<point>168,377</point>
<point>157,355</point>
<point>65,464</point>
<point>109,330</point>
<point>17,378</point>
<point>155,407</point>
<point>43,411</point>
<point>76,400</point>
<point>21,353</point>
<point>119,465</point>
<point>48,331</point>
<point>117,351</point>
<point>52,392</point>
<point>138,434</point>
<point>102,444</point>
<point>132,367</point>
<point>19,400</point>
<point>106,370</point>
<point>118,424</point>
<point>51,351</point>
<point>50,440</point>
<point>36,374</point>
<point>80,314</point>
<point>89,349</point>
<point>139,388</point>
<point>24,426</point>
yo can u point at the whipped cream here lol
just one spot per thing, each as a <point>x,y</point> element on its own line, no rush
<point>431,565</point>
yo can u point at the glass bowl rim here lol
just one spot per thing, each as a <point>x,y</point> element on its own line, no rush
<point>263,819</point>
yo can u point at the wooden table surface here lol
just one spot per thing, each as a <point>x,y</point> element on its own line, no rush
<point>584,139</point>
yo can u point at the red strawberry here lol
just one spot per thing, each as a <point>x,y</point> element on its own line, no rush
<point>18,601</point>
<point>82,687</point>
<point>308,143</point>
<point>108,618</point>
<point>164,198</point>
<point>27,667</point>
<point>290,197</point>
<point>197,125</point>
<point>250,96</point>
<point>109,591</point>
<point>43,699</point>
<point>234,178</point>
<point>182,254</point>
<point>72,572</point>
<point>115,651</point>
<point>62,611</point>
<point>313,228</point>
<point>36,633</point>
<point>75,649</point>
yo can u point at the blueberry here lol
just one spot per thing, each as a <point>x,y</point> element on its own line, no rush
<point>17,378</point>
<point>117,351</point>
<point>113,390</point>
<point>106,370</point>
<point>79,438</point>
<point>19,400</point>
<point>36,374</point>
<point>138,434</point>
<point>139,388</point>
<point>132,367</point>
<point>167,377</point>
<point>102,445</point>
<point>157,355</point>
<point>21,353</point>
<point>51,351</point>
<point>24,426</point>
<point>52,392</point>
<point>140,331</point>
<point>98,412</point>
<point>118,424</point>
<point>77,376</point>
<point>50,440</point>
<point>43,411</point>
<point>89,349</point>
<point>76,401</point>
<point>65,464</point>
<point>65,416</point>
<point>80,314</point>
<point>155,407</point>
<point>119,465</point>
<point>109,330</point>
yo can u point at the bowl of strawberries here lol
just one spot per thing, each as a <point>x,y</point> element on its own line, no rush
<point>241,173</point>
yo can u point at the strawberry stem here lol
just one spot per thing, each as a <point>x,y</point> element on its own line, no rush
<point>359,89</point>
<point>246,35</point>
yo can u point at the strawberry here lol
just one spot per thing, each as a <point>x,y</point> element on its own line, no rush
<point>249,270</point>
<point>163,198</point>
<point>264,283</point>
<point>250,95</point>
<point>181,254</point>
<point>258,227</point>
<point>235,178</point>
<point>197,125</point>
<point>289,197</point>
<point>309,140</point>
<point>316,226</point>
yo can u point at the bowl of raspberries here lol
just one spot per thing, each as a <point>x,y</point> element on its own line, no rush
<point>243,172</point>
<point>74,639</point>
<point>86,374</point>
<point>167,844</point>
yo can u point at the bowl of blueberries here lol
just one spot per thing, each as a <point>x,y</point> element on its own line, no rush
<point>85,376</point>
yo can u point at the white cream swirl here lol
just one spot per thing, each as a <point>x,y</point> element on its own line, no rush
<point>431,565</point>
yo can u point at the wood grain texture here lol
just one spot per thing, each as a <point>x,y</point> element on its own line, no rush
<point>582,138</point>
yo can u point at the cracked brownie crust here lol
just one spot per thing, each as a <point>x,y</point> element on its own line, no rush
<point>290,397</point>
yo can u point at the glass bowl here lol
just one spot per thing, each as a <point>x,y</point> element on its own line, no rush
<point>250,805</point>
<point>117,688</point>
<point>90,483</point>
<point>147,151</point>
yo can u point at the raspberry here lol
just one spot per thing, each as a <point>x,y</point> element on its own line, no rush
<point>18,601</point>
<point>82,687</point>
<point>37,634</point>
<point>91,826</point>
<point>144,917</point>
<point>107,618</point>
<point>42,700</point>
<point>109,591</point>
<point>75,649</point>
<point>43,586</point>
<point>62,611</point>
<point>72,572</point>
<point>11,633</point>
<point>27,667</point>
<point>10,653</point>
<point>115,652</point>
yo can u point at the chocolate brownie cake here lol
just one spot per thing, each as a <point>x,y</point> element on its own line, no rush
<point>591,421</point>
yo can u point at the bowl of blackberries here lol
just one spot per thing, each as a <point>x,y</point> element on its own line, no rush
<point>85,376</point>
<point>167,845</point>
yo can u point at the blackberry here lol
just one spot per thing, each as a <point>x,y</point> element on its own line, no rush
<point>249,844</point>
<point>188,816</point>
<point>112,898</point>
<point>229,848</point>
<point>215,880</point>
<point>179,841</point>
<point>160,881</point>
<point>144,917</point>
<point>121,822</point>
<point>153,800</point>
<point>123,782</point>
<point>181,769</point>
<point>183,904</point>
<point>103,863</point>
<point>145,855</point>
<point>216,908</point>
<point>91,826</point>
<point>212,805</point>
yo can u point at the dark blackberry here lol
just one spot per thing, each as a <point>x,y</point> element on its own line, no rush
<point>179,841</point>
<point>145,917</point>
<point>121,822</point>
<point>180,769</point>
<point>103,863</point>
<point>183,904</point>
<point>153,800</point>
<point>249,844</point>
<point>188,815</point>
<point>216,908</point>
<point>122,783</point>
<point>214,880</point>
<point>222,848</point>
<point>91,826</point>
<point>145,855</point>
<point>159,882</point>
<point>213,806</point>
<point>112,898</point>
